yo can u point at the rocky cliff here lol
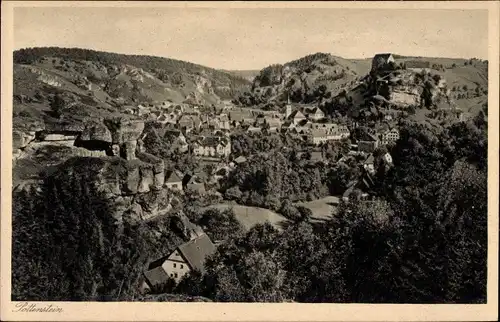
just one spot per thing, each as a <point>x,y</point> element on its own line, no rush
<point>129,179</point>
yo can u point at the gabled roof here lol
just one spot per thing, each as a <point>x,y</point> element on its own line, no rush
<point>370,159</point>
<point>213,141</point>
<point>156,276</point>
<point>173,177</point>
<point>314,111</point>
<point>297,115</point>
<point>368,137</point>
<point>196,251</point>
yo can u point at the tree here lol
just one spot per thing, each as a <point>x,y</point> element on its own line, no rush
<point>220,225</point>
<point>233,193</point>
<point>305,213</point>
<point>57,105</point>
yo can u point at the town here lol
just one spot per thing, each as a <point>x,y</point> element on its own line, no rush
<point>320,180</point>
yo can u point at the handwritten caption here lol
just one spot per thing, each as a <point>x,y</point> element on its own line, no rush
<point>37,308</point>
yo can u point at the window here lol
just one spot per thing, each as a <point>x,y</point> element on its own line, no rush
<point>175,265</point>
<point>171,275</point>
<point>182,266</point>
<point>176,275</point>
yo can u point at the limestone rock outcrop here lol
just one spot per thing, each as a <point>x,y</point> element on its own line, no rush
<point>21,139</point>
<point>124,136</point>
<point>96,132</point>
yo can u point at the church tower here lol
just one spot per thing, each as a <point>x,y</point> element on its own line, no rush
<point>288,108</point>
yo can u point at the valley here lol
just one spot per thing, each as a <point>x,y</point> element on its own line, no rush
<point>152,179</point>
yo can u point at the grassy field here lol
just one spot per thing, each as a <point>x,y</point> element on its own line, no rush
<point>321,208</point>
<point>251,216</point>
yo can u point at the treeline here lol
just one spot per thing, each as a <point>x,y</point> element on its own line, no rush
<point>71,243</point>
<point>280,167</point>
<point>422,240</point>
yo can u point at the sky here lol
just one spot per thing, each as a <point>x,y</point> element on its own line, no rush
<point>251,38</point>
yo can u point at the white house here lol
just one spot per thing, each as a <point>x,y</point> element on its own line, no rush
<point>184,259</point>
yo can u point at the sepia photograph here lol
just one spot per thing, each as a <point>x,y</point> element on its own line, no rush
<point>294,154</point>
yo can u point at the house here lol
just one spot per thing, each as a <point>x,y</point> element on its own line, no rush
<point>185,258</point>
<point>389,136</point>
<point>338,132</point>
<point>273,123</point>
<point>319,136</point>
<point>193,183</point>
<point>368,143</point>
<point>240,160</point>
<point>329,133</point>
<point>287,126</point>
<point>381,61</point>
<point>165,118</point>
<point>189,122</point>
<point>316,114</point>
<point>253,129</point>
<point>174,181</point>
<point>223,121</point>
<point>297,117</point>
<point>387,159</point>
<point>212,146</point>
<point>369,164</point>
<point>238,116</point>
<point>177,140</point>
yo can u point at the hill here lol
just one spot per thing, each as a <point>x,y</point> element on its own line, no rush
<point>99,83</point>
<point>325,79</point>
<point>434,90</point>
<point>304,80</point>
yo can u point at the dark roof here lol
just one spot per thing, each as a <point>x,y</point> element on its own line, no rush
<point>156,276</point>
<point>172,133</point>
<point>173,177</point>
<point>210,141</point>
<point>196,251</point>
<point>365,136</point>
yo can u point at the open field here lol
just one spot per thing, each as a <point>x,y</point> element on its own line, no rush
<point>251,216</point>
<point>321,208</point>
